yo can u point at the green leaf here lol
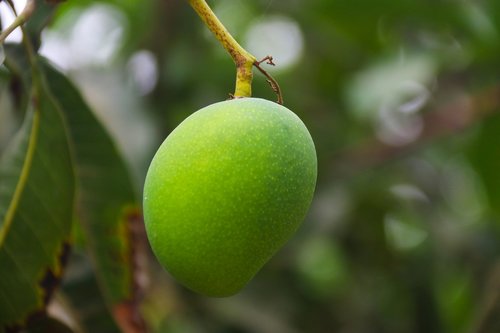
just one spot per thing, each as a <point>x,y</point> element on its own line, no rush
<point>36,209</point>
<point>82,294</point>
<point>107,204</point>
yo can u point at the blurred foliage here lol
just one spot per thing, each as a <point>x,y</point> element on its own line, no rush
<point>402,101</point>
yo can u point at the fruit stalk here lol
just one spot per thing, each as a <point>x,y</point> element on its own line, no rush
<point>243,59</point>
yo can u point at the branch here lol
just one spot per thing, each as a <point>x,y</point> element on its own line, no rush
<point>19,20</point>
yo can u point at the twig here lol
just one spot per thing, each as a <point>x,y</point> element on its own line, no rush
<point>12,6</point>
<point>272,82</point>
<point>19,20</point>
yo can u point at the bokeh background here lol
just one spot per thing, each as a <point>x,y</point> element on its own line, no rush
<point>402,99</point>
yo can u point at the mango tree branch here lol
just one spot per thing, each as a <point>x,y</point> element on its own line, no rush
<point>242,58</point>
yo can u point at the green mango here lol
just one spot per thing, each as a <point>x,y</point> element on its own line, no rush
<point>226,189</point>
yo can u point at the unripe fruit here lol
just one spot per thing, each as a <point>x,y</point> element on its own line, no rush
<point>226,189</point>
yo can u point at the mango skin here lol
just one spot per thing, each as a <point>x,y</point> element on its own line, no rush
<point>226,189</point>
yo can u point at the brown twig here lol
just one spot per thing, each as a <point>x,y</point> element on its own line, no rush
<point>12,6</point>
<point>127,312</point>
<point>272,82</point>
<point>267,59</point>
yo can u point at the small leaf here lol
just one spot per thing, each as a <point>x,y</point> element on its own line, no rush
<point>107,204</point>
<point>36,209</point>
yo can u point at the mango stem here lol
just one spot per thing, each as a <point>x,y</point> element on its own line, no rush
<point>244,60</point>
